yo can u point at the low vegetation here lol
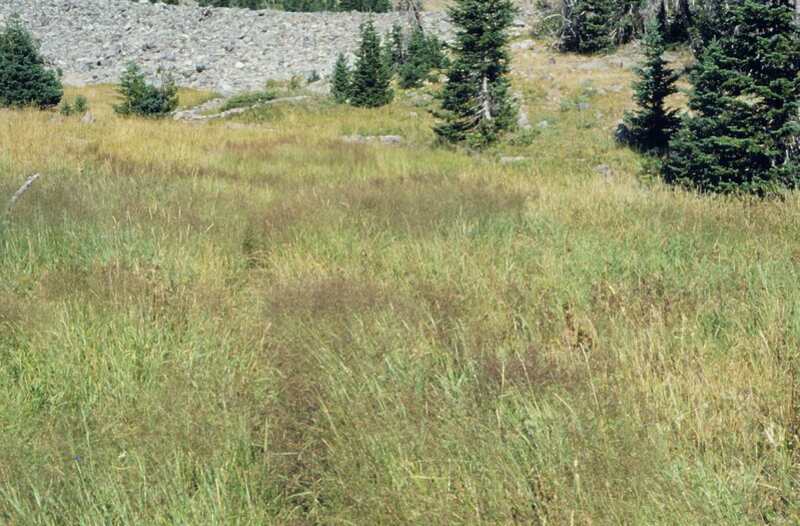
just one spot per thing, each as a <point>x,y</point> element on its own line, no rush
<point>254,322</point>
<point>278,319</point>
<point>143,99</point>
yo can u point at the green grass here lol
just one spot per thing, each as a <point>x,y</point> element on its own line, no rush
<point>245,100</point>
<point>253,322</point>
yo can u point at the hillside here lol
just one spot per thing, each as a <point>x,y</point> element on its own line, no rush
<point>219,49</point>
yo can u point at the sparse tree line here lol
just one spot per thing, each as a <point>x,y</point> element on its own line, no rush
<point>590,26</point>
<point>740,132</point>
<point>476,104</point>
<point>26,81</point>
<point>412,58</point>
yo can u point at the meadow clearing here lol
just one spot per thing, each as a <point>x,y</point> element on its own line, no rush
<point>254,322</point>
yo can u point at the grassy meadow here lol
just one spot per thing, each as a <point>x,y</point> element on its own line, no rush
<point>253,322</point>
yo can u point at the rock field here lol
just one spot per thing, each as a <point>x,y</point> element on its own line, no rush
<point>221,49</point>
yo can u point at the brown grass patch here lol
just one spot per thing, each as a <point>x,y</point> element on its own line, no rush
<point>411,206</point>
<point>52,200</point>
<point>325,297</point>
<point>120,166</point>
<point>261,149</point>
<point>529,369</point>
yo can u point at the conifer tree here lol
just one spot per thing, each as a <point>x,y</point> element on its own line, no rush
<point>143,99</point>
<point>680,26</point>
<point>627,21</point>
<point>396,48</point>
<point>652,125</point>
<point>743,131</point>
<point>24,80</point>
<point>476,102</point>
<point>588,25</point>
<point>340,86</point>
<point>419,61</point>
<point>662,19</point>
<point>371,82</point>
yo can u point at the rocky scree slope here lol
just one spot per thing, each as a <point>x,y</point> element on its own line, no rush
<point>222,49</point>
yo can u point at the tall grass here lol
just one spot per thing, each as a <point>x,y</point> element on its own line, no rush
<point>253,322</point>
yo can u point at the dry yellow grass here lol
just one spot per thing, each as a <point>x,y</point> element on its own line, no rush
<point>252,322</point>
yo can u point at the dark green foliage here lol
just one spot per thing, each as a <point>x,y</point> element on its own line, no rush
<point>370,86</point>
<point>476,103</point>
<point>371,6</point>
<point>652,125</point>
<point>78,107</point>
<point>374,6</point>
<point>248,100</point>
<point>395,51</point>
<point>424,55</point>
<point>588,26</point>
<point>306,5</point>
<point>143,99</point>
<point>709,22</point>
<point>340,85</point>
<point>627,20</point>
<point>662,19</point>
<point>81,105</point>
<point>24,80</point>
<point>680,27</point>
<point>743,132</point>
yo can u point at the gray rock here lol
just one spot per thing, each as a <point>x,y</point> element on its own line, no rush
<point>604,170</point>
<point>523,45</point>
<point>390,139</point>
<point>523,121</point>
<point>93,40</point>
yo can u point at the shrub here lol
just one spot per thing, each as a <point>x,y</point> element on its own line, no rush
<point>78,107</point>
<point>143,99</point>
<point>24,80</point>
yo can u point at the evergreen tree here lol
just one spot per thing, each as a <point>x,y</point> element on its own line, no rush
<point>744,128</point>
<point>24,80</point>
<point>662,19</point>
<point>143,99</point>
<point>436,52</point>
<point>627,22</point>
<point>652,125</point>
<point>476,103</point>
<point>395,48</point>
<point>680,26</point>
<point>340,86</point>
<point>588,25</point>
<point>371,83</point>
<point>419,62</point>
<point>711,22</point>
